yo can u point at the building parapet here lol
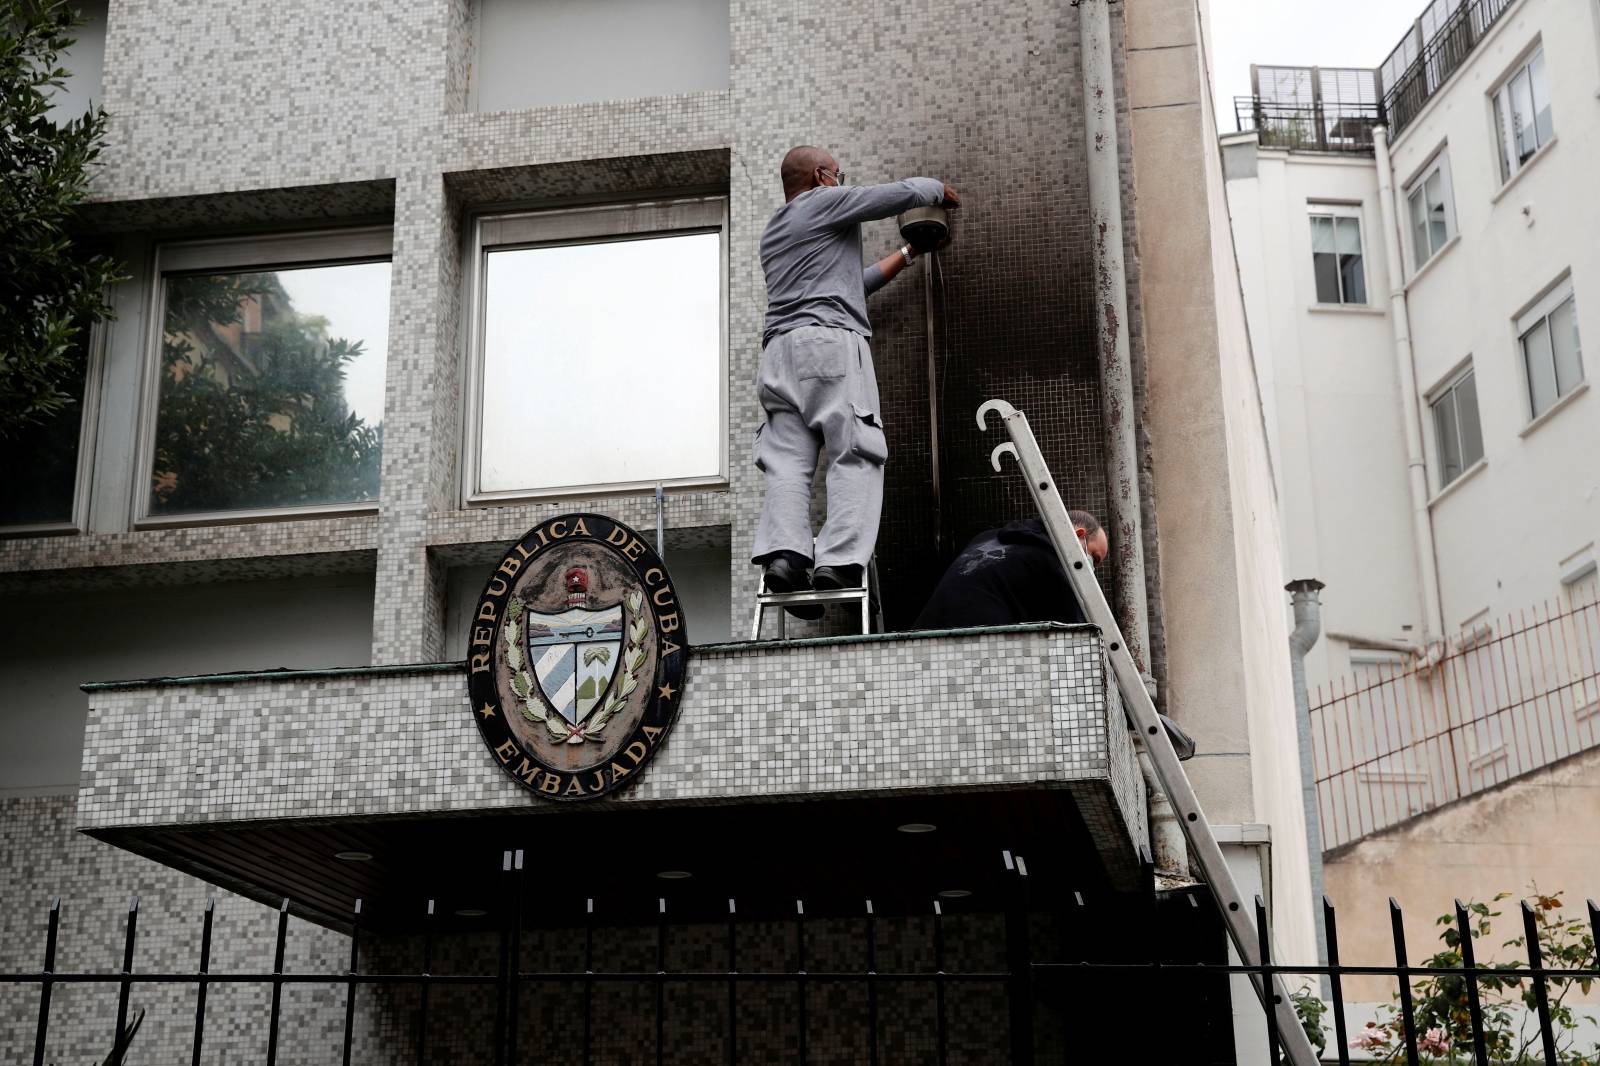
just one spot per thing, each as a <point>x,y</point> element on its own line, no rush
<point>1011,708</point>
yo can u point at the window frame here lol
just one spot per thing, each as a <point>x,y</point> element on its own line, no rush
<point>82,478</point>
<point>316,248</point>
<point>588,224</point>
<point>1499,101</point>
<point>1438,163</point>
<point>1524,323</point>
<point>1336,210</point>
<point>1447,388</point>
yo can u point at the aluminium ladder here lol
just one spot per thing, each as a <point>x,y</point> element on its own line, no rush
<point>1142,718</point>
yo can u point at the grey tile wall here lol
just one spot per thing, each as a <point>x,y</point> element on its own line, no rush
<point>41,857</point>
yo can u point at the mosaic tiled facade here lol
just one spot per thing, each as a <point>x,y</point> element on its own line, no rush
<point>368,118</point>
<point>754,724</point>
<point>236,116</point>
<point>41,857</point>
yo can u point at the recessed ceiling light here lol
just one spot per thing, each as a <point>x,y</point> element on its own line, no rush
<point>954,893</point>
<point>471,912</point>
<point>674,875</point>
<point>353,856</point>
<point>918,827</point>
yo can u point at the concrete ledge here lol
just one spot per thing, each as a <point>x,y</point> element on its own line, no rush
<point>888,715</point>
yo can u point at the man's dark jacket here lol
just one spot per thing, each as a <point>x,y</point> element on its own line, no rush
<point>1003,577</point>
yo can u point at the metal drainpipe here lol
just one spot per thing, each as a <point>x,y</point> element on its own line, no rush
<point>1307,627</point>
<point>1111,334</point>
<point>1123,522</point>
<point>1406,368</point>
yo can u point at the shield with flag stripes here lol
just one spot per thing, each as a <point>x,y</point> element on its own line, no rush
<point>575,654</point>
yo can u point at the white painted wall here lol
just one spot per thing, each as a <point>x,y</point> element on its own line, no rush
<point>51,644</point>
<point>1330,397</point>
<point>1502,533</point>
<point>535,53</point>
<point>1258,562</point>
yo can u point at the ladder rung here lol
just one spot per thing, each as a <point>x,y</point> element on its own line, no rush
<point>777,599</point>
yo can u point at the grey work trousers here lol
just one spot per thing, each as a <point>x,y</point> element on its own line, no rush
<point>818,391</point>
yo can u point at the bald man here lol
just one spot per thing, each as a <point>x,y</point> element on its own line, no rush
<point>817,387</point>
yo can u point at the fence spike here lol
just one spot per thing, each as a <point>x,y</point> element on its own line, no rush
<point>1403,978</point>
<point>1336,981</point>
<point>46,986</point>
<point>1474,1007</point>
<point>1264,942</point>
<point>202,983</point>
<point>1541,992</point>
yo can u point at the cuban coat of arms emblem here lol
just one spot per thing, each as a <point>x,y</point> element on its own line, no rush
<point>577,656</point>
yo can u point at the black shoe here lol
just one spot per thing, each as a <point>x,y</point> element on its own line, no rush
<point>786,572</point>
<point>829,578</point>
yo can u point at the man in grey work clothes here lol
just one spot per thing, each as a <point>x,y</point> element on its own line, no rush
<point>817,386</point>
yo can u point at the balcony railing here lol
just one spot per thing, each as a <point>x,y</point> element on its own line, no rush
<point>1313,127</point>
<point>1435,47</point>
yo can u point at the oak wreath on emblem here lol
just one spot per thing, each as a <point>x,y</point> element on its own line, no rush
<point>576,657</point>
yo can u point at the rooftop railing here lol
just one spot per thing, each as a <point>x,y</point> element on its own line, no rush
<point>1435,47</point>
<point>1313,127</point>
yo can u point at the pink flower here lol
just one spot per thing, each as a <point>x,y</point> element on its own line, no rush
<point>1434,1042</point>
<point>1370,1037</point>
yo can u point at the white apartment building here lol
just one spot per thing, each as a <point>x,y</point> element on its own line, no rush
<point>1492,167</point>
<point>1417,247</point>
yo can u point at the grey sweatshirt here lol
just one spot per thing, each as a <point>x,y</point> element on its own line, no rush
<point>811,253</point>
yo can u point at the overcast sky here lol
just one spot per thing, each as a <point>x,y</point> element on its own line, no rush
<point>1299,33</point>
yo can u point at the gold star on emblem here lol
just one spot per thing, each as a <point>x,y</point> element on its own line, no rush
<point>487,710</point>
<point>666,691</point>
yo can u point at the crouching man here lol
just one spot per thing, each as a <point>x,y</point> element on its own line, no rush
<point>817,387</point>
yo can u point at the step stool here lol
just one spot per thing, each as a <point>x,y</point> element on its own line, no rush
<point>869,596</point>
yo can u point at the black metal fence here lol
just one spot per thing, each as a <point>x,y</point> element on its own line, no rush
<point>1315,127</point>
<point>1432,50</point>
<point>1025,980</point>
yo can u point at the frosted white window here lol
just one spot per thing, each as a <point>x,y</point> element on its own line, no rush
<point>538,53</point>
<point>600,357</point>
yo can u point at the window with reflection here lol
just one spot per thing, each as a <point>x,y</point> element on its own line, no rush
<point>1522,115</point>
<point>1432,209</point>
<point>43,474</point>
<point>1336,259</point>
<point>1457,432</point>
<point>270,386</point>
<point>600,350</point>
<point>1551,355</point>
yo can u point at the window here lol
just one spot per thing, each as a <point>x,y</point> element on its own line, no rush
<point>1522,115</point>
<point>1580,585</point>
<point>1551,358</point>
<point>598,350</point>
<point>1431,210</point>
<point>555,52</point>
<point>84,63</point>
<point>1456,430</point>
<point>1336,255</point>
<point>48,462</point>
<point>267,392</point>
